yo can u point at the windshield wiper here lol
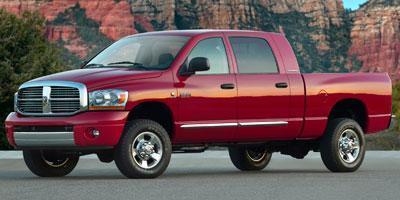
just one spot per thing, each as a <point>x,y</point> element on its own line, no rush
<point>93,65</point>
<point>131,64</point>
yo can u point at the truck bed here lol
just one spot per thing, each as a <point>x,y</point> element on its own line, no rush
<point>325,90</point>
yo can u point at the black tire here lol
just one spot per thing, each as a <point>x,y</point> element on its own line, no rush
<point>127,163</point>
<point>49,164</point>
<point>330,150</point>
<point>244,159</point>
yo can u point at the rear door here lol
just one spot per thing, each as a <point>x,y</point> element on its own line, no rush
<point>263,91</point>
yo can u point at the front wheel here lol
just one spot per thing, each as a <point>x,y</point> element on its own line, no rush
<point>247,158</point>
<point>144,150</point>
<point>50,164</point>
<point>343,145</point>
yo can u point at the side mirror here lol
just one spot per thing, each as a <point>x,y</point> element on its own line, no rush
<point>197,64</point>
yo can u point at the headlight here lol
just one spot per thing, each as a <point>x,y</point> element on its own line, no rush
<point>112,99</point>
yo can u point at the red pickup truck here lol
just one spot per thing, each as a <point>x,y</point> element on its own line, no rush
<point>151,94</point>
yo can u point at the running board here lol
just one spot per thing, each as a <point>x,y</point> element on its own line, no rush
<point>190,149</point>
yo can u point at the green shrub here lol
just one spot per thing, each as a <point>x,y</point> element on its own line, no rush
<point>140,28</point>
<point>25,54</point>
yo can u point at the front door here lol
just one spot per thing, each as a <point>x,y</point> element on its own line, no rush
<point>207,107</point>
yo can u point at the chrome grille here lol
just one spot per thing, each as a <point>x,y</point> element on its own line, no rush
<point>51,98</point>
<point>64,92</point>
<point>61,106</point>
<point>64,99</point>
<point>30,100</point>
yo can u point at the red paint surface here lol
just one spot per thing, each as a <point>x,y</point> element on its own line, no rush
<point>305,104</point>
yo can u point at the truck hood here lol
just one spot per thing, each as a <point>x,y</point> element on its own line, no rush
<point>94,78</point>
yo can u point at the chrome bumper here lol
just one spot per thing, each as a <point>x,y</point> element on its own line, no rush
<point>32,139</point>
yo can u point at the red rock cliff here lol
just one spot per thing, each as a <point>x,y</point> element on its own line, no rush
<point>375,37</point>
<point>230,14</point>
<point>115,18</point>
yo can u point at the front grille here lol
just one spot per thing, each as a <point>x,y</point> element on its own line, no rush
<point>30,100</point>
<point>64,99</point>
<point>50,99</point>
<point>64,92</point>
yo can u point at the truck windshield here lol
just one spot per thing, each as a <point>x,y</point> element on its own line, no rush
<point>140,52</point>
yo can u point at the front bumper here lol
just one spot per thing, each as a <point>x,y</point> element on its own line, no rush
<point>77,131</point>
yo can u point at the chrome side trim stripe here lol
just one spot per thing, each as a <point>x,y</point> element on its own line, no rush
<point>274,123</point>
<point>208,125</point>
<point>380,115</point>
<point>277,123</point>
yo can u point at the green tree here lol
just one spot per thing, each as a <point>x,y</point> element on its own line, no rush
<point>396,103</point>
<point>24,54</point>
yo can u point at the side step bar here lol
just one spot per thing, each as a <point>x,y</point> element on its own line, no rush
<point>189,149</point>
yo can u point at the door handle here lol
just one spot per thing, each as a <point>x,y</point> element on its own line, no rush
<point>227,86</point>
<point>281,85</point>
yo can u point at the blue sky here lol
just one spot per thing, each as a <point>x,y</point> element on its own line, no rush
<point>352,4</point>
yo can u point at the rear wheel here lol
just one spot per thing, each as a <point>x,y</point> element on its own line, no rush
<point>343,145</point>
<point>248,158</point>
<point>144,150</point>
<point>50,164</point>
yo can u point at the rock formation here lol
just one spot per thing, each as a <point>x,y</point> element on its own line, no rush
<point>373,41</point>
<point>375,37</point>
<point>115,18</point>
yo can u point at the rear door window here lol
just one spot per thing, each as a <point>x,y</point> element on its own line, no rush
<point>253,55</point>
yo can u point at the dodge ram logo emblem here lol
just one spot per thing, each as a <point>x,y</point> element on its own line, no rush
<point>45,101</point>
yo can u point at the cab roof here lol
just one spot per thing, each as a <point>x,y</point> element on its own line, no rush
<point>194,32</point>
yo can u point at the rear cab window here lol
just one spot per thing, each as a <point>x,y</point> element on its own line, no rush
<point>253,55</point>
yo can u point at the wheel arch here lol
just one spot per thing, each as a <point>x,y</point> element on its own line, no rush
<point>156,111</point>
<point>350,108</point>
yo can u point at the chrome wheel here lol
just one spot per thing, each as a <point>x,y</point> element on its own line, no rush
<point>256,154</point>
<point>59,162</point>
<point>147,150</point>
<point>144,150</point>
<point>349,146</point>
